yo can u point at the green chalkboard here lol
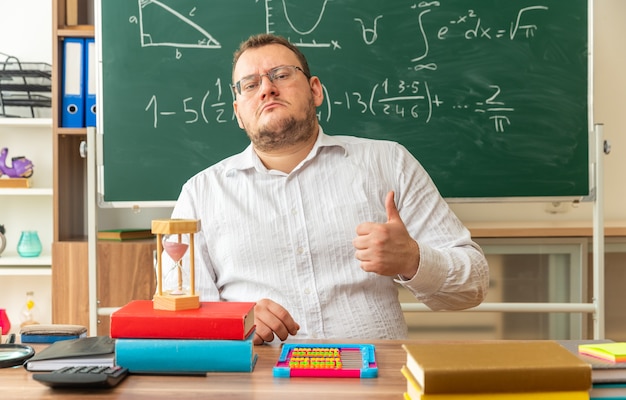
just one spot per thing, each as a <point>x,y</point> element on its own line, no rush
<point>492,96</point>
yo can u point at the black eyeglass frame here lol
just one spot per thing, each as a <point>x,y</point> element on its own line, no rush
<point>271,75</point>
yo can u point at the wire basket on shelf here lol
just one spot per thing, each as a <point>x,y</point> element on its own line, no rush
<point>25,88</point>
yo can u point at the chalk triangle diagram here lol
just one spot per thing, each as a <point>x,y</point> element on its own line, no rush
<point>161,25</point>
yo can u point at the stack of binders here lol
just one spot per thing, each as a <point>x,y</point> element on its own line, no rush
<point>79,83</point>
<point>217,337</point>
<point>500,370</point>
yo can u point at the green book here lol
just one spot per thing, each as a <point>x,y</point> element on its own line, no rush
<point>125,234</point>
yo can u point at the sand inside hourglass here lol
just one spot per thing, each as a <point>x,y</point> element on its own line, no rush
<point>176,251</point>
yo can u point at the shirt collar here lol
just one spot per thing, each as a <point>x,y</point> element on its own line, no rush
<point>248,159</point>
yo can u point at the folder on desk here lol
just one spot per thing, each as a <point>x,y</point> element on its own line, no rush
<point>90,82</point>
<point>73,100</point>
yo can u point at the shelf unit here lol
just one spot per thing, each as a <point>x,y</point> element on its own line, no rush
<point>69,245</point>
<point>124,269</point>
<point>27,209</point>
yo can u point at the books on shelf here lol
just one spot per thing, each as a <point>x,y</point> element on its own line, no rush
<point>125,234</point>
<point>496,367</point>
<point>185,356</point>
<point>414,392</point>
<point>85,351</point>
<point>213,320</point>
<point>602,371</point>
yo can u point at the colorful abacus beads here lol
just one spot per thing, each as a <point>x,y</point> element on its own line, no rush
<point>330,361</point>
<point>315,352</point>
<point>315,358</point>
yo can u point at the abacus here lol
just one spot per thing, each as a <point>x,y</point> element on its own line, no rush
<point>327,360</point>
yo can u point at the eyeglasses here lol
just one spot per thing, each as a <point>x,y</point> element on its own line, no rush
<point>278,76</point>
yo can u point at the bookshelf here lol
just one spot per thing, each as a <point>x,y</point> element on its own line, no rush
<point>69,246</point>
<point>27,209</point>
<point>125,269</point>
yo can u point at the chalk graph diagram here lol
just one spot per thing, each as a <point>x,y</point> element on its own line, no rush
<point>301,30</point>
<point>298,24</point>
<point>162,23</point>
<point>164,15</point>
<point>182,31</point>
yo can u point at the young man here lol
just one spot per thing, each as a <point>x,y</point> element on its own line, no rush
<point>319,229</point>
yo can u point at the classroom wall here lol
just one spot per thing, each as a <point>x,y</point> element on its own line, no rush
<point>25,32</point>
<point>26,29</point>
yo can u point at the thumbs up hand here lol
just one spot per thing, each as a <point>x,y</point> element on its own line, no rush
<point>387,248</point>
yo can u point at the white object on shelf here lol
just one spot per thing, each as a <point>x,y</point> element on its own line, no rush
<point>12,259</point>
<point>26,192</point>
<point>26,122</point>
<point>25,271</point>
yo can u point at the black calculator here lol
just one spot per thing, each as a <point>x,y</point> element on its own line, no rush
<point>83,377</point>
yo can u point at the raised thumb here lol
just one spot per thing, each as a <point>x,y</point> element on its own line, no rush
<point>392,212</point>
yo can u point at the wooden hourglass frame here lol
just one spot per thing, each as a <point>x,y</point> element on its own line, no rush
<point>185,300</point>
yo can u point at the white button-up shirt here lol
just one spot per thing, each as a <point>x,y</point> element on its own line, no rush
<point>288,237</point>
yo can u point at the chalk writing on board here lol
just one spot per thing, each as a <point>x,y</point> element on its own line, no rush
<point>203,39</point>
<point>405,105</point>
<point>475,31</point>
<point>300,31</point>
<point>492,96</point>
<point>370,34</point>
<point>412,99</point>
<point>200,38</point>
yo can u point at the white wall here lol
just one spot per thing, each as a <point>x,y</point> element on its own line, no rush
<point>26,30</point>
<point>610,107</point>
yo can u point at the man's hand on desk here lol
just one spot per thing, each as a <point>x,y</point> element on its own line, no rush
<point>272,319</point>
<point>387,249</point>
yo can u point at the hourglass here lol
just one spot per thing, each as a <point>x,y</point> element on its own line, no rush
<point>178,298</point>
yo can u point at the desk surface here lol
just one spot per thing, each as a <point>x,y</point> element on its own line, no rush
<point>260,384</point>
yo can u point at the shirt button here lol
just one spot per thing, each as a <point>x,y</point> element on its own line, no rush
<point>294,211</point>
<point>307,291</point>
<point>300,250</point>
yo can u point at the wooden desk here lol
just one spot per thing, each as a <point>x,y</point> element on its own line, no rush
<point>17,383</point>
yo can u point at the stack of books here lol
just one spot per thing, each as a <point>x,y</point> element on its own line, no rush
<point>608,371</point>
<point>217,337</point>
<point>503,370</point>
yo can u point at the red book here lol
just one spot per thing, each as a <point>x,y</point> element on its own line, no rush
<point>213,320</point>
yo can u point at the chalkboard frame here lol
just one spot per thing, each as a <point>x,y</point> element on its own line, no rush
<point>104,202</point>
